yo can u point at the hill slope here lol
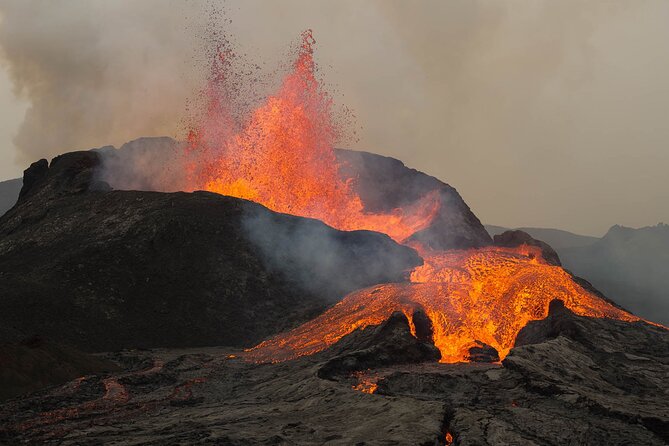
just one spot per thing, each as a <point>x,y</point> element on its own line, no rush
<point>383,184</point>
<point>103,270</point>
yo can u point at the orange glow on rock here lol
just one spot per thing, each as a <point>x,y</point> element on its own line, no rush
<point>367,383</point>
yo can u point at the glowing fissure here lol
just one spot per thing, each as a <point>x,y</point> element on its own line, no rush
<point>282,156</point>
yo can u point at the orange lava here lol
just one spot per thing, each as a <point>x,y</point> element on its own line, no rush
<point>283,157</point>
<point>485,294</point>
<point>367,383</point>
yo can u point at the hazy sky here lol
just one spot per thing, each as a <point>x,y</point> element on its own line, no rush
<point>541,113</point>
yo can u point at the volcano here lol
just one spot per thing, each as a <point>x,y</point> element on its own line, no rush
<point>267,288</point>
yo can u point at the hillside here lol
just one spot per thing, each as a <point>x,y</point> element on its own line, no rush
<point>102,270</point>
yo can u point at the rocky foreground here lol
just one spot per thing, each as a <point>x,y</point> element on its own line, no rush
<point>569,381</point>
<point>153,277</point>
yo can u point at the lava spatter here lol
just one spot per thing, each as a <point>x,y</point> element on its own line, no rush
<point>282,156</point>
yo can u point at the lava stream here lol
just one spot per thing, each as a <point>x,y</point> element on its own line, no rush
<point>485,294</point>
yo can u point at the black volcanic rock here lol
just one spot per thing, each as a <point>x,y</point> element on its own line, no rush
<point>482,352</point>
<point>387,344</point>
<point>32,175</point>
<point>612,369</point>
<point>103,270</point>
<point>558,322</point>
<point>513,238</point>
<point>68,174</point>
<point>569,380</point>
<point>423,325</point>
<point>601,381</point>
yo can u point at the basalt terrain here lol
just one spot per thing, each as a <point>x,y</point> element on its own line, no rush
<point>198,318</point>
<point>569,380</point>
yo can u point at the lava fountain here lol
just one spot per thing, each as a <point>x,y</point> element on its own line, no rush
<point>282,156</point>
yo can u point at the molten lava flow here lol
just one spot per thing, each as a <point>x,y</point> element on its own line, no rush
<point>485,295</point>
<point>367,383</point>
<point>283,156</point>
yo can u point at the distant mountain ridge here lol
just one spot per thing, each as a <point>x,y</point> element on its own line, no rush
<point>630,265</point>
<point>557,238</point>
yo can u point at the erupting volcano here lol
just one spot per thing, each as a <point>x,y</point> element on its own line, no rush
<point>282,156</point>
<point>253,283</point>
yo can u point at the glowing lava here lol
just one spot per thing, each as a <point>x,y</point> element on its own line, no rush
<point>366,383</point>
<point>485,294</point>
<point>282,156</point>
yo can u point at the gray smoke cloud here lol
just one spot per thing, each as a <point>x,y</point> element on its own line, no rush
<point>542,113</point>
<point>97,72</point>
<point>326,262</point>
<point>149,164</point>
